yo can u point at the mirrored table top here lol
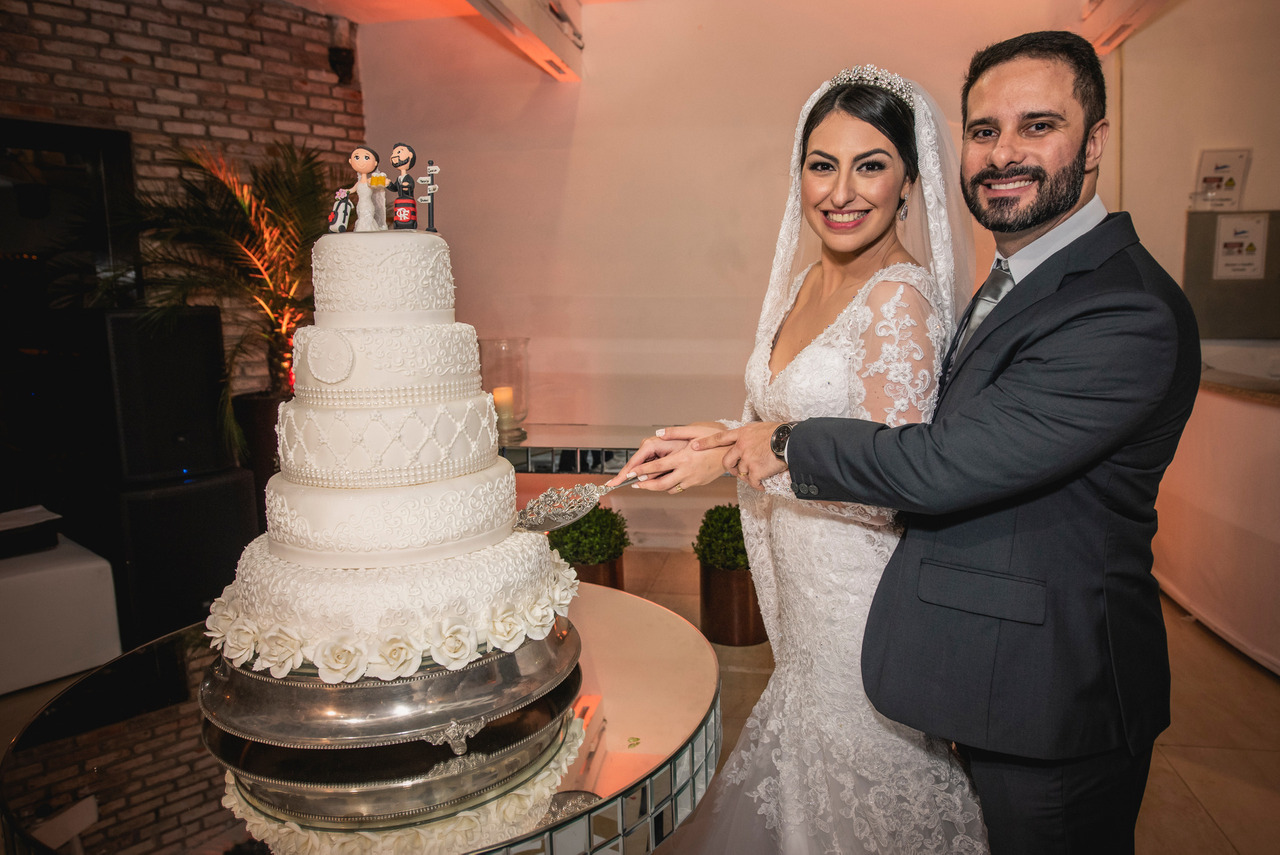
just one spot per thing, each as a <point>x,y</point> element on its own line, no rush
<point>116,761</point>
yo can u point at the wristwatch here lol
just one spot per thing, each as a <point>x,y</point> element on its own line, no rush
<point>778,442</point>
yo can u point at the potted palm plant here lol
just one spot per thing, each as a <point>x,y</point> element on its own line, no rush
<point>594,546</point>
<point>245,245</point>
<point>730,612</point>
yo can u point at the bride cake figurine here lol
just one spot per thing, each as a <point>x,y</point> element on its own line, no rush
<point>859,310</point>
<point>370,190</point>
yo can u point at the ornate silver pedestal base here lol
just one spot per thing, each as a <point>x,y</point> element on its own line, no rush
<point>378,754</point>
<point>391,785</point>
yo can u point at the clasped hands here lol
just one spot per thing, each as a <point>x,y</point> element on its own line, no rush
<point>677,458</point>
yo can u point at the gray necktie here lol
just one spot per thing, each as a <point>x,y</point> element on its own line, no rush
<point>998,283</point>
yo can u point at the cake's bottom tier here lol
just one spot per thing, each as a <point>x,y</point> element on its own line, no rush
<point>393,785</point>
<point>384,622</point>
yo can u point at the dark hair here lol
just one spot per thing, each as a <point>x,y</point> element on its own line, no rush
<point>413,155</point>
<point>376,159</point>
<point>879,108</point>
<point>1090,88</point>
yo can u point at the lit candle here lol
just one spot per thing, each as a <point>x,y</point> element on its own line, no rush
<point>504,401</point>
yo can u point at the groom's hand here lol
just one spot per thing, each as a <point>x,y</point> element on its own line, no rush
<point>748,454</point>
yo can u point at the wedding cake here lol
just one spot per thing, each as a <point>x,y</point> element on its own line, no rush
<point>394,652</point>
<point>389,526</point>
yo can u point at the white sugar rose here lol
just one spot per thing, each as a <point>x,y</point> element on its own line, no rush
<point>222,614</point>
<point>505,629</point>
<point>563,589</point>
<point>238,643</point>
<point>340,660</point>
<point>413,841</point>
<point>352,843</point>
<point>290,837</point>
<point>461,829</point>
<point>516,805</point>
<point>397,656</point>
<point>258,827</point>
<point>454,645</point>
<point>279,649</point>
<point>538,618</point>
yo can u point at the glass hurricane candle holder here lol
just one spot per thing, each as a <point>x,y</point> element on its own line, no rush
<point>504,373</point>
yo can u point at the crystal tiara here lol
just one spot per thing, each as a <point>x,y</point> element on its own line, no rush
<point>880,78</point>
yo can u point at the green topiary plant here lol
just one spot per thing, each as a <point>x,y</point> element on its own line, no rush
<point>598,537</point>
<point>720,542</point>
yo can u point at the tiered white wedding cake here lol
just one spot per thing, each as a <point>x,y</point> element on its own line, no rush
<point>390,537</point>
<point>397,664</point>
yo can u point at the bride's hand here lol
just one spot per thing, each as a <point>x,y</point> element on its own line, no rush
<point>655,448</point>
<point>679,470</point>
<point>664,461</point>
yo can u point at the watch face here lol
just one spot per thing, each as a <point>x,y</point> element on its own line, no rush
<point>778,443</point>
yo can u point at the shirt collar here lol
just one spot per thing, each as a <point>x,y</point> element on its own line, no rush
<point>1027,259</point>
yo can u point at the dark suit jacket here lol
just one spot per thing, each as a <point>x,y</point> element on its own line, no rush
<point>1019,614</point>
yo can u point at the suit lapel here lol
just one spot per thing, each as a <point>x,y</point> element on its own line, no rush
<point>1086,253</point>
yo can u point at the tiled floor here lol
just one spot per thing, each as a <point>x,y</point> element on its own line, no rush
<point>1215,777</point>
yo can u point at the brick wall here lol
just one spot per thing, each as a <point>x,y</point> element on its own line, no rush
<point>158,789</point>
<point>235,75</point>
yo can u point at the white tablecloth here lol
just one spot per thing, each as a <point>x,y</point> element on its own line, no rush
<point>1218,549</point>
<point>57,615</point>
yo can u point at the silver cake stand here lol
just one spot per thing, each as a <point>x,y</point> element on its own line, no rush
<point>376,754</point>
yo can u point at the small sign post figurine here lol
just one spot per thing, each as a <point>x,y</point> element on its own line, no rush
<point>430,198</point>
<point>405,213</point>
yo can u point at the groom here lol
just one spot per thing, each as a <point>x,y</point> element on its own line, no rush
<point>1018,616</point>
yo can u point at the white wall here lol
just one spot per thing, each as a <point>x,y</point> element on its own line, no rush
<point>1203,75</point>
<point>626,224</point>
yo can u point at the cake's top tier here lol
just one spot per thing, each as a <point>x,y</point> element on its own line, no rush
<point>370,278</point>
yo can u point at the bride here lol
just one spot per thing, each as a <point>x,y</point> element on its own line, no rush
<point>858,313</point>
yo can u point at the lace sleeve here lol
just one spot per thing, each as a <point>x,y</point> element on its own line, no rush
<point>900,371</point>
<point>899,374</point>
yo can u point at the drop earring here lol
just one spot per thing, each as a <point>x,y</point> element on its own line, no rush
<point>902,212</point>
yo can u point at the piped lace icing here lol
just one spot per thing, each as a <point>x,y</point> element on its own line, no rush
<point>418,355</point>
<point>349,621</point>
<point>330,526</point>
<point>382,271</point>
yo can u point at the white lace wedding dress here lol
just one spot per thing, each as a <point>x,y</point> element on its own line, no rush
<point>817,769</point>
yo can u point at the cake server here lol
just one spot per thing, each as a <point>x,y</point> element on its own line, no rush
<point>562,506</point>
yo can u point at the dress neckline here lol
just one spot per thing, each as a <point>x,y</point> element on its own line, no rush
<point>875,278</point>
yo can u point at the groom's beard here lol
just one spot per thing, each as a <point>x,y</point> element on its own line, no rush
<point>1056,195</point>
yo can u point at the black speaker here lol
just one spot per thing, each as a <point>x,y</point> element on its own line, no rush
<point>166,374</point>
<point>119,399</point>
<point>180,546</point>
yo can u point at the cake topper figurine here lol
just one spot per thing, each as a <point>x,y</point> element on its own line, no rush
<point>370,189</point>
<point>430,198</point>
<point>405,210</point>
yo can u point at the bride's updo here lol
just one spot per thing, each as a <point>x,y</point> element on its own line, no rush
<point>879,108</point>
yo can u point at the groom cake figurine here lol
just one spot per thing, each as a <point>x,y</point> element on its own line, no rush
<point>1018,616</point>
